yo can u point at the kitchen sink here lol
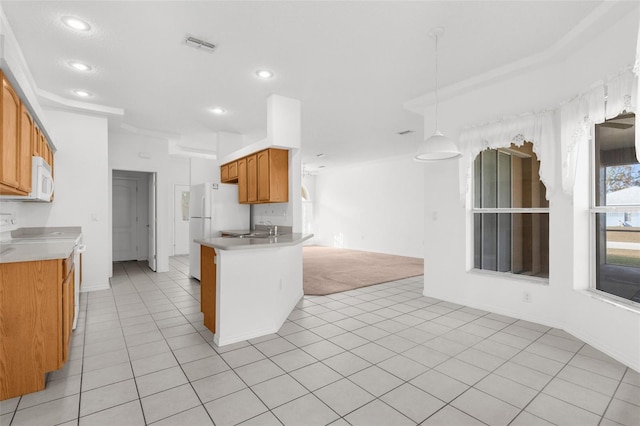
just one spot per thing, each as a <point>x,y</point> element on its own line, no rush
<point>256,235</point>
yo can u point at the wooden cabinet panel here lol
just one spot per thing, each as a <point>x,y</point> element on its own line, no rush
<point>208,286</point>
<point>263,175</point>
<point>26,146</point>
<point>233,171</point>
<point>224,173</point>
<point>68,309</point>
<point>10,142</point>
<point>243,196</point>
<point>30,329</point>
<point>252,179</point>
<point>273,176</point>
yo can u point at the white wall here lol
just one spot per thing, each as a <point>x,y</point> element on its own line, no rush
<point>146,154</point>
<point>82,185</point>
<point>563,302</point>
<point>376,207</point>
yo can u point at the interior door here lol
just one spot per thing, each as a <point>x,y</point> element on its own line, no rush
<point>152,222</point>
<point>180,219</point>
<point>125,219</point>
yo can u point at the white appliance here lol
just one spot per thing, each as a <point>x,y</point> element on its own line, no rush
<point>41,183</point>
<point>213,207</point>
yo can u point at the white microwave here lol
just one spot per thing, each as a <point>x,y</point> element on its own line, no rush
<point>41,183</point>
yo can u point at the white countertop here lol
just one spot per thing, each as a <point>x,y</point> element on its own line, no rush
<point>33,244</point>
<point>233,243</point>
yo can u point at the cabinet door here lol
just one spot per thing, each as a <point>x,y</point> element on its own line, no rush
<point>208,286</point>
<point>233,171</point>
<point>10,152</point>
<point>224,173</point>
<point>263,176</point>
<point>252,179</point>
<point>242,181</point>
<point>37,141</point>
<point>26,144</point>
<point>68,309</point>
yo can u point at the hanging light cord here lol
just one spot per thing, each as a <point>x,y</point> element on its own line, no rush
<point>437,127</point>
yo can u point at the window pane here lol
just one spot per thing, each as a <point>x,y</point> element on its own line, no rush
<point>617,177</point>
<point>477,180</point>
<point>512,242</point>
<point>618,254</point>
<point>489,179</point>
<point>489,241</point>
<point>504,180</point>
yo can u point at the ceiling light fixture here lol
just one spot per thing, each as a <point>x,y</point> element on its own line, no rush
<point>218,110</point>
<point>265,74</point>
<point>82,93</point>
<point>76,23</point>
<point>80,66</point>
<point>438,146</point>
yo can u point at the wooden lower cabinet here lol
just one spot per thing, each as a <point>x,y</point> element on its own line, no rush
<point>208,286</point>
<point>36,318</point>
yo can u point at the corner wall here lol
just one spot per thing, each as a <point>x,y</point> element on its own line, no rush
<point>82,186</point>
<point>564,302</point>
<point>377,207</point>
<point>125,154</point>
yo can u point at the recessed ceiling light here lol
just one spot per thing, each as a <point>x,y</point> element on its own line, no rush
<point>80,66</point>
<point>218,110</point>
<point>265,74</point>
<point>76,23</point>
<point>82,93</point>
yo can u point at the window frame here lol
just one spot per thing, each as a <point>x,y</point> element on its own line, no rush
<point>473,210</point>
<point>594,210</point>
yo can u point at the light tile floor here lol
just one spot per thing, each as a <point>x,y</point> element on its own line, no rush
<point>379,355</point>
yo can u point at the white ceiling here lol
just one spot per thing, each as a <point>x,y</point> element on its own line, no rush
<point>351,64</point>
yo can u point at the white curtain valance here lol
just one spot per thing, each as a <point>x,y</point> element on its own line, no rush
<point>576,117</point>
<point>536,128</point>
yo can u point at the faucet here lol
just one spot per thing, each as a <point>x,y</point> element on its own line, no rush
<point>273,229</point>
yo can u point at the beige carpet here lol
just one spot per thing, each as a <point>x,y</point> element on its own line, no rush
<point>331,270</point>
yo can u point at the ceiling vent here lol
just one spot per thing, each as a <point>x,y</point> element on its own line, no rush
<point>200,44</point>
<point>405,132</point>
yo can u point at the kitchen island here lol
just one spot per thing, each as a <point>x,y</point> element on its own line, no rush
<point>249,286</point>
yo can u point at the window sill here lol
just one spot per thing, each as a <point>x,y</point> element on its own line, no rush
<point>618,302</point>
<point>510,276</point>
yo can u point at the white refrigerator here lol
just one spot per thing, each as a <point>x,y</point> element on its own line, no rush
<point>213,207</point>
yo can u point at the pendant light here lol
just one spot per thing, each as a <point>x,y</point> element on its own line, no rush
<point>438,146</point>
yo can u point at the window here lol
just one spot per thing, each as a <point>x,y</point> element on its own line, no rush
<point>510,213</point>
<point>615,212</point>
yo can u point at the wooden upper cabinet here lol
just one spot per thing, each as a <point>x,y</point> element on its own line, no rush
<point>36,147</point>
<point>252,179</point>
<point>26,148</point>
<point>224,173</point>
<point>262,177</point>
<point>243,195</point>
<point>229,172</point>
<point>273,176</point>
<point>233,171</point>
<point>10,142</point>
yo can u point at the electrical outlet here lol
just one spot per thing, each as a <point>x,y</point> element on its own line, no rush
<point>526,297</point>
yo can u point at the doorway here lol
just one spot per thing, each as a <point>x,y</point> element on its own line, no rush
<point>134,216</point>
